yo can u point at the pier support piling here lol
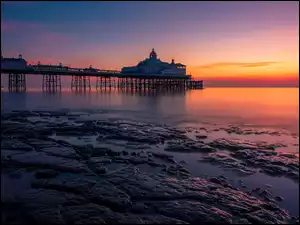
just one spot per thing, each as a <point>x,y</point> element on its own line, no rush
<point>80,82</point>
<point>51,83</point>
<point>17,82</point>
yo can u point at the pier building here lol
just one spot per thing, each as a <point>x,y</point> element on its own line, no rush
<point>153,65</point>
<point>13,63</point>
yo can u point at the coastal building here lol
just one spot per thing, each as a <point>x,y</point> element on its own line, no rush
<point>13,63</point>
<point>153,65</point>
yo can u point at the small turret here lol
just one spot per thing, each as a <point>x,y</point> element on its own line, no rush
<point>20,56</point>
<point>153,54</point>
<point>172,61</point>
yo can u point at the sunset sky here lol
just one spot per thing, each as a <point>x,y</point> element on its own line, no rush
<point>223,43</point>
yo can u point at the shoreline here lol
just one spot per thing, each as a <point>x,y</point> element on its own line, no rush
<point>56,152</point>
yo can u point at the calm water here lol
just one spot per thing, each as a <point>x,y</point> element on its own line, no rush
<point>263,108</point>
<point>259,107</point>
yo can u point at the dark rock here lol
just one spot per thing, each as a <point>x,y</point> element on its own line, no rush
<point>131,192</point>
<point>165,157</point>
<point>101,170</point>
<point>61,151</point>
<point>16,174</point>
<point>279,198</point>
<point>201,136</point>
<point>40,160</point>
<point>183,162</point>
<point>46,174</point>
<point>216,180</point>
<point>100,160</point>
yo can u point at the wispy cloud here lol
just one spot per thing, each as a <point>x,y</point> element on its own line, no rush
<point>236,64</point>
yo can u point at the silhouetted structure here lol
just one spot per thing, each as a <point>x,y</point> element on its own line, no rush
<point>154,65</point>
<point>155,75</point>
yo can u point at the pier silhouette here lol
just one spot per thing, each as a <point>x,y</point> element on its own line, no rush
<point>143,76</point>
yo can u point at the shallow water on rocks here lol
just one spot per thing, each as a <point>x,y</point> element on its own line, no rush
<point>124,161</point>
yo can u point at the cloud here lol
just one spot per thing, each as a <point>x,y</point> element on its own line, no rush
<point>236,64</point>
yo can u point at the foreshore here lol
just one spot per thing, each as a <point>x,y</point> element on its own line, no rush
<point>60,168</point>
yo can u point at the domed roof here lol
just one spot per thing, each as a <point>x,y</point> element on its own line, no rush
<point>153,54</point>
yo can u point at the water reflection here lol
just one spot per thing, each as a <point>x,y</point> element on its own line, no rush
<point>262,107</point>
<point>15,100</point>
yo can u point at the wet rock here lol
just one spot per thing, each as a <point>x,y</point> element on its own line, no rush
<point>101,170</point>
<point>242,221</point>
<point>39,198</point>
<point>216,180</point>
<point>100,160</point>
<point>97,152</point>
<point>243,185</point>
<point>61,151</point>
<point>272,164</point>
<point>165,157</point>
<point>201,136</point>
<point>227,161</point>
<point>45,216</point>
<point>139,208</point>
<point>268,185</point>
<point>232,144</point>
<point>104,193</point>
<point>65,184</point>
<point>127,193</point>
<point>279,198</point>
<point>16,174</point>
<point>137,161</point>
<point>207,148</point>
<point>113,153</point>
<point>15,145</point>
<point>177,148</point>
<point>290,156</point>
<point>84,213</point>
<point>46,174</point>
<point>85,152</point>
<point>190,146</point>
<point>178,170</point>
<point>40,160</point>
<point>7,154</point>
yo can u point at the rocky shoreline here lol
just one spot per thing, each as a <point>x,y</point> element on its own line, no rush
<point>123,179</point>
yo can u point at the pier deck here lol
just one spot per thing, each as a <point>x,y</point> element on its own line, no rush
<point>105,79</point>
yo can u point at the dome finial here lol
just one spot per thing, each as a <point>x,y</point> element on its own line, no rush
<point>153,54</point>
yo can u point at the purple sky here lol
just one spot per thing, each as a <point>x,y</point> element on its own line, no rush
<point>110,35</point>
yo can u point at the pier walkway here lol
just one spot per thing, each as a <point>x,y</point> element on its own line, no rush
<point>104,79</point>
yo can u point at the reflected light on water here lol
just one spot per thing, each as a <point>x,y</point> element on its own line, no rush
<point>261,107</point>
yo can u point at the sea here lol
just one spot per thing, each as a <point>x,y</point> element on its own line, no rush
<point>266,110</point>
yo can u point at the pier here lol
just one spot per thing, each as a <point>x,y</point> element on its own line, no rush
<point>148,74</point>
<point>104,79</point>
